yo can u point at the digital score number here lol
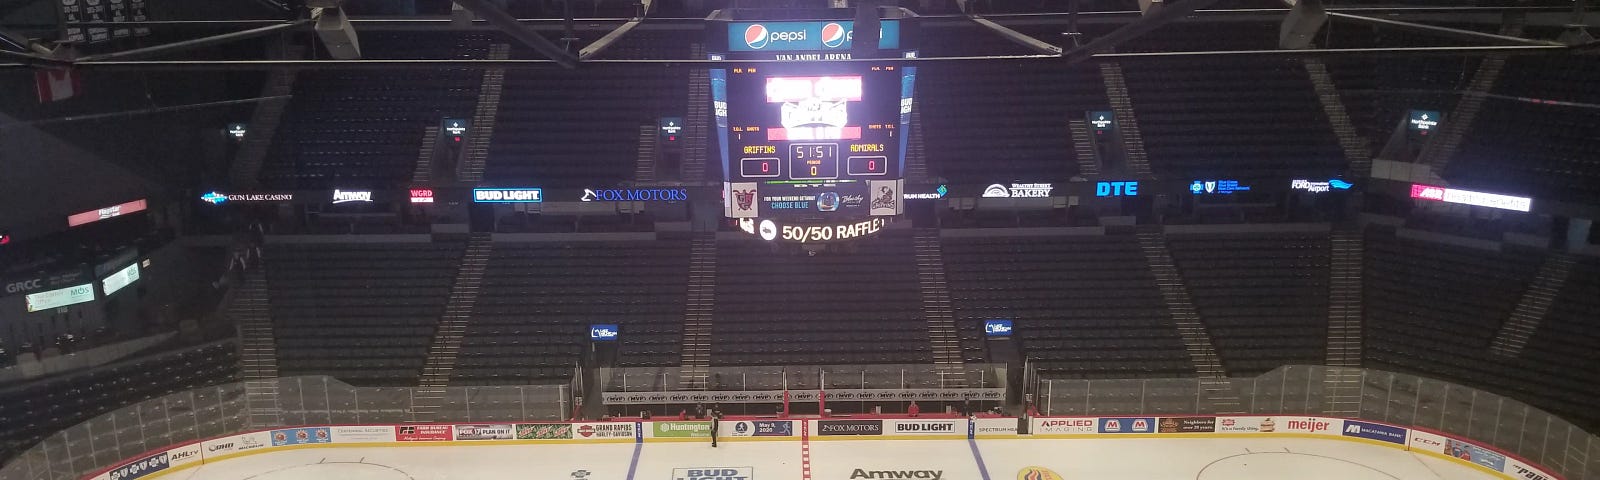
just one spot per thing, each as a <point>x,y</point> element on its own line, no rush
<point>759,167</point>
<point>813,161</point>
<point>877,165</point>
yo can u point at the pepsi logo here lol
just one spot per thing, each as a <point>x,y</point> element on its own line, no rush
<point>833,35</point>
<point>755,36</point>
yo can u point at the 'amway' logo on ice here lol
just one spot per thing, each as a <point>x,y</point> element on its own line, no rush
<point>896,474</point>
<point>714,473</point>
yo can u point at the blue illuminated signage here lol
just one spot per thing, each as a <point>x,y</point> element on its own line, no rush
<point>218,198</point>
<point>603,333</point>
<point>804,36</point>
<point>1116,189</point>
<point>997,328</point>
<point>507,195</point>
<point>1314,186</point>
<point>1217,187</point>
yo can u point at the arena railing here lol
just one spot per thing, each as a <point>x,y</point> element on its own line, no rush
<point>1388,397</point>
<point>843,388</point>
<point>807,377</point>
<point>222,410</point>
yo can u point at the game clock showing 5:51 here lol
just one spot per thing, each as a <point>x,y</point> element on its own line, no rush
<point>809,161</point>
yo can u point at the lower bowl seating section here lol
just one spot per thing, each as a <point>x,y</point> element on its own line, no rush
<point>363,128</point>
<point>1433,309</point>
<point>1556,370</point>
<point>1262,296</point>
<point>532,317</point>
<point>33,410</point>
<point>1531,149</point>
<point>363,313</point>
<point>838,307</point>
<point>1084,306</point>
<point>1229,118</point>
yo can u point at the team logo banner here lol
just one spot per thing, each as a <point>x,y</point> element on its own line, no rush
<point>740,198</point>
<point>145,466</point>
<point>299,436</point>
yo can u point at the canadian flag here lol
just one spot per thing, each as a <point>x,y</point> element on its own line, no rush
<point>55,84</point>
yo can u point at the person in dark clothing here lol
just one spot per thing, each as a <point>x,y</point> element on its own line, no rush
<point>699,411</point>
<point>716,420</point>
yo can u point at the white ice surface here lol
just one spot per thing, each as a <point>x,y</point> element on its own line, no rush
<point>1132,459</point>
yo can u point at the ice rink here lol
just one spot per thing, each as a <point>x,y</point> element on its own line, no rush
<point>1021,459</point>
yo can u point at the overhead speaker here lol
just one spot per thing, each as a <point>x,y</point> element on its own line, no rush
<point>1301,25</point>
<point>1147,7</point>
<point>333,27</point>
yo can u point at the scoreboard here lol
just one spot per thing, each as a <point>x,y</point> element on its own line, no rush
<point>814,140</point>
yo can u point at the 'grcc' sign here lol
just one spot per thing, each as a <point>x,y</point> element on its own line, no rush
<point>24,286</point>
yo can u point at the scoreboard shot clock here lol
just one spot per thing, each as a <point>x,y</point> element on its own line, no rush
<point>805,140</point>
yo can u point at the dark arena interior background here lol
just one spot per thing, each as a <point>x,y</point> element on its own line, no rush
<point>226,216</point>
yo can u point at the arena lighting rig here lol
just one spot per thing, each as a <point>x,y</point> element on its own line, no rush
<point>329,22</point>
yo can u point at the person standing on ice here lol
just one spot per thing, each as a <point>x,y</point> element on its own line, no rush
<point>716,419</point>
